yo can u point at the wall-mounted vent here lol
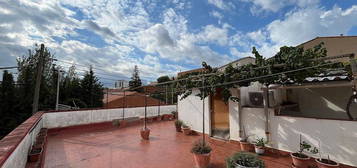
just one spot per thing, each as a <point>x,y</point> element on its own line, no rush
<point>256,99</point>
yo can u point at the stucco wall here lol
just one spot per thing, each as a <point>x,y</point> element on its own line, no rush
<point>70,118</point>
<point>18,158</point>
<point>190,111</point>
<point>325,102</point>
<point>337,138</point>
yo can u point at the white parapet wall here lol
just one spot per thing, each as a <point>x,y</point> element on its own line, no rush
<point>71,118</point>
<point>18,157</point>
<point>191,112</point>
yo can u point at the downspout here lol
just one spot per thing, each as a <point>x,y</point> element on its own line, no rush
<point>266,111</point>
<point>240,124</point>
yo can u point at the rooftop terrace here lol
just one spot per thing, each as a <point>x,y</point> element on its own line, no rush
<point>108,146</point>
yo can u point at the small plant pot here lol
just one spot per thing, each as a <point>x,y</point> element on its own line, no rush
<point>324,163</point>
<point>202,160</point>
<point>150,119</point>
<point>145,133</point>
<point>259,150</point>
<point>186,131</point>
<point>170,116</point>
<point>122,124</point>
<point>35,154</point>
<point>178,128</point>
<point>302,161</point>
<point>246,147</point>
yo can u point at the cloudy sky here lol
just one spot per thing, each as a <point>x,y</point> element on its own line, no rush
<point>165,37</point>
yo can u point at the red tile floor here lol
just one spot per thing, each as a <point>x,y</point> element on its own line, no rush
<point>107,146</point>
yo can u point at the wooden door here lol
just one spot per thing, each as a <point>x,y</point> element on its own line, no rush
<point>220,112</point>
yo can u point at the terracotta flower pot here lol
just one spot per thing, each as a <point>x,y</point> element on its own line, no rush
<point>122,123</point>
<point>178,128</point>
<point>324,163</point>
<point>35,154</point>
<point>202,160</point>
<point>145,133</point>
<point>300,162</point>
<point>170,116</point>
<point>186,130</point>
<point>246,146</point>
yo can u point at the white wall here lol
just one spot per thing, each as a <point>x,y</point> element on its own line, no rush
<point>190,111</point>
<point>338,138</point>
<point>18,158</point>
<point>70,118</point>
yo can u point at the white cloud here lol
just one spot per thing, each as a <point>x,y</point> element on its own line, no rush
<point>299,26</point>
<point>305,24</point>
<point>275,5</point>
<point>216,14</point>
<point>222,4</point>
<point>214,34</point>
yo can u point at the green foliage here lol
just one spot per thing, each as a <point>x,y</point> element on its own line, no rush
<point>244,159</point>
<point>200,147</point>
<point>7,101</point>
<point>116,122</point>
<point>288,59</point>
<point>260,142</point>
<point>163,79</point>
<point>304,146</point>
<point>178,123</point>
<point>16,99</point>
<point>135,79</point>
<point>91,90</point>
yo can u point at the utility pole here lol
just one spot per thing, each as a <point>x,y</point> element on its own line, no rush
<point>38,80</point>
<point>58,83</point>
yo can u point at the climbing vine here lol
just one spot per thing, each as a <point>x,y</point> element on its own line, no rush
<point>291,60</point>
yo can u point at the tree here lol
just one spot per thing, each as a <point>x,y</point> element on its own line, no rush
<point>27,78</point>
<point>8,119</point>
<point>163,79</point>
<point>91,90</point>
<point>135,79</point>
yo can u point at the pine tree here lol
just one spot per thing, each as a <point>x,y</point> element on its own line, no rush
<point>135,79</point>
<point>9,118</point>
<point>92,90</point>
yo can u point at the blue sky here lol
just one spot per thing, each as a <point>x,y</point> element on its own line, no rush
<point>164,37</point>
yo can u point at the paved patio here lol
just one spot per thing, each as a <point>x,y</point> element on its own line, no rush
<point>105,146</point>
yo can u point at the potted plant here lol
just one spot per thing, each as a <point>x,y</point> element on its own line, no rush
<point>300,159</point>
<point>145,132</point>
<point>259,145</point>
<point>159,118</point>
<point>244,144</point>
<point>326,163</point>
<point>186,129</point>
<point>116,122</point>
<point>178,124</point>
<point>244,160</point>
<point>201,153</point>
<point>174,113</point>
<point>35,154</point>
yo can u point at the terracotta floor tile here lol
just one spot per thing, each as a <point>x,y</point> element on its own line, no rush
<point>123,148</point>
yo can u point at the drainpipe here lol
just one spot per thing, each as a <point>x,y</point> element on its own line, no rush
<point>266,111</point>
<point>124,104</point>
<point>240,124</point>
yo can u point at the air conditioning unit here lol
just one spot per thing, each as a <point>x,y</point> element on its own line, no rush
<point>256,99</point>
